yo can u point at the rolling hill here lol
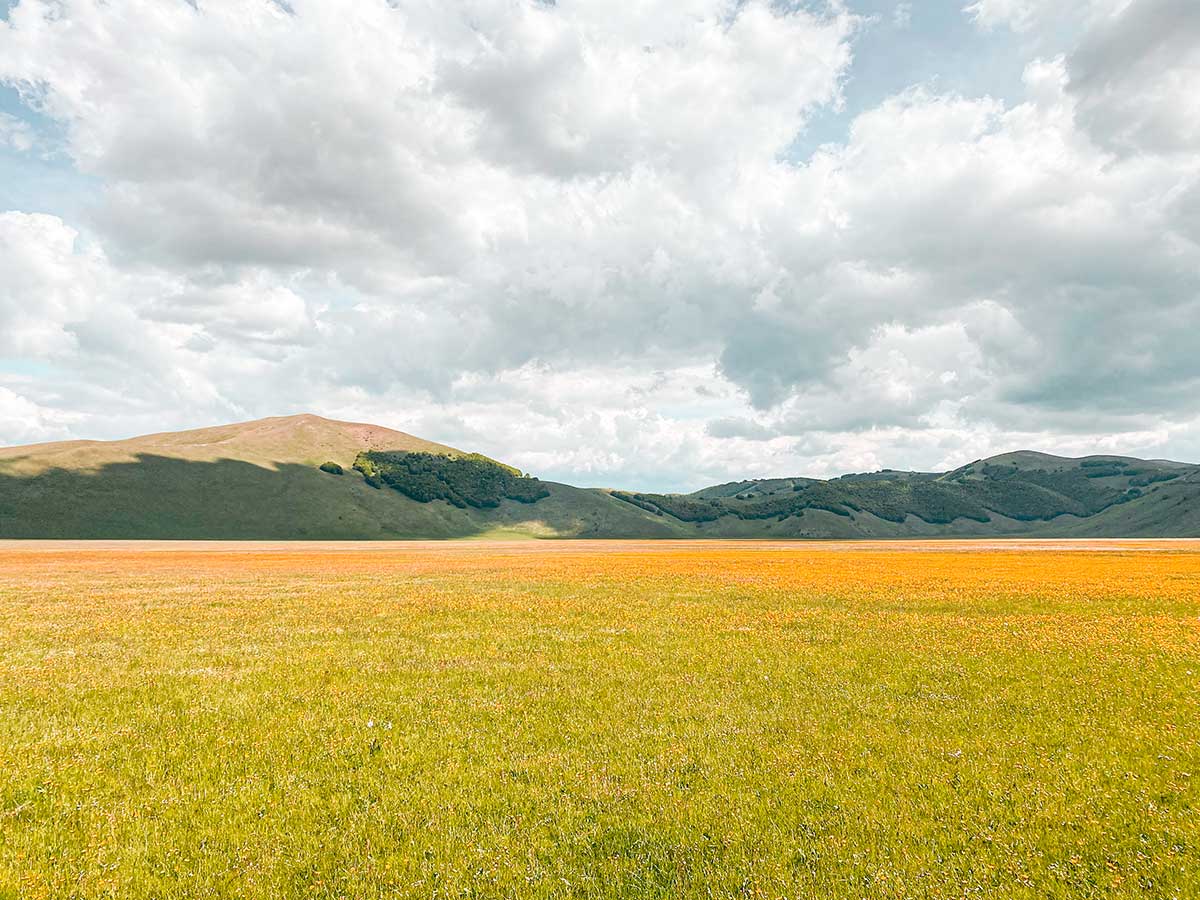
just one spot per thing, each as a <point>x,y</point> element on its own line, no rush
<point>1014,494</point>
<point>261,480</point>
<point>306,477</point>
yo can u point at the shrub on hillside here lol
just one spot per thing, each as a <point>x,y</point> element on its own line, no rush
<point>332,468</point>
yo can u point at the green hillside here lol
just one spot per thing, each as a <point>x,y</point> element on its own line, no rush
<point>305,477</point>
<point>262,481</point>
<point>1016,493</point>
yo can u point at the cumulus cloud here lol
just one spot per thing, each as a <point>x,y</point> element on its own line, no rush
<point>1136,78</point>
<point>574,234</point>
<point>365,134</point>
<point>23,421</point>
<point>47,287</point>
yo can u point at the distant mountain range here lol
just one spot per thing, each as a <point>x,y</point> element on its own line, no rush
<point>306,477</point>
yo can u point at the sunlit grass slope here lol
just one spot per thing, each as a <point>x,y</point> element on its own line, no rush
<point>299,440</point>
<point>600,720</point>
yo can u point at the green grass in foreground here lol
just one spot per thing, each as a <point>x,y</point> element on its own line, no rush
<point>552,722</point>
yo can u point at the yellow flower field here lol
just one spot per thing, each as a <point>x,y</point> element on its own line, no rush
<point>609,719</point>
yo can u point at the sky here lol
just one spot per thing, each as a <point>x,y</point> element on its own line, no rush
<point>654,245</point>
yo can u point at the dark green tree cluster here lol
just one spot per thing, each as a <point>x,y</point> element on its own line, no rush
<point>637,501</point>
<point>1149,478</point>
<point>682,507</point>
<point>332,468</point>
<point>470,480</point>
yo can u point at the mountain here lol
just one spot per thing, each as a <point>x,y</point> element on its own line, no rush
<point>306,477</point>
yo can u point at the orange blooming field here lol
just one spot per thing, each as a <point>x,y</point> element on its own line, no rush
<point>610,719</point>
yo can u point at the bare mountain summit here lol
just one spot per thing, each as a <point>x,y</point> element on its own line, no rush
<point>298,439</point>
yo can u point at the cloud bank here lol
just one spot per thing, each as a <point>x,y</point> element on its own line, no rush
<point>576,235</point>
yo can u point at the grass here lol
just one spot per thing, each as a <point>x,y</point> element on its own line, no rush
<point>600,720</point>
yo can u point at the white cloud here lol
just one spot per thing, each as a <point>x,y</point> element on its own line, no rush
<point>46,285</point>
<point>568,234</point>
<point>23,421</point>
<point>358,134</point>
<point>1027,15</point>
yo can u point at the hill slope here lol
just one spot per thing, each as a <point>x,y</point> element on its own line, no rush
<point>261,480</point>
<point>1022,493</point>
<point>302,439</point>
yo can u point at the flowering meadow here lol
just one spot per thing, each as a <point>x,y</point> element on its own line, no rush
<point>593,720</point>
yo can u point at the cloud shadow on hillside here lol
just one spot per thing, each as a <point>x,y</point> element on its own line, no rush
<point>158,497</point>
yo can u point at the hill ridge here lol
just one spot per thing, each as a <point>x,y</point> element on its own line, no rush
<point>261,479</point>
<point>274,439</point>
